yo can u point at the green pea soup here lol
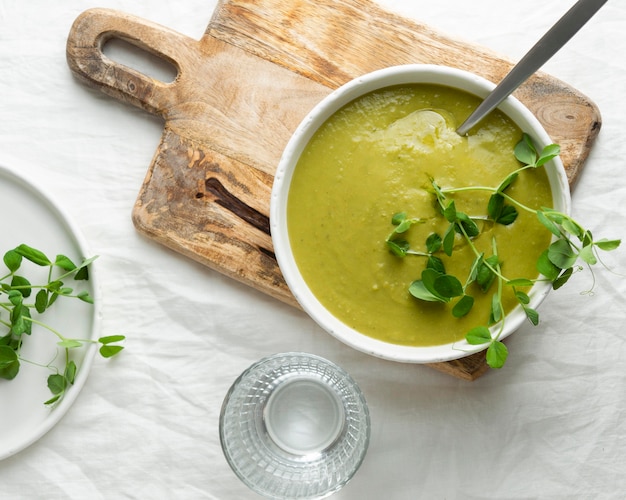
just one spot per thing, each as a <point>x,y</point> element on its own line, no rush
<point>376,157</point>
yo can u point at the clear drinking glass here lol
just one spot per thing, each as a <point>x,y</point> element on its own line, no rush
<point>294,425</point>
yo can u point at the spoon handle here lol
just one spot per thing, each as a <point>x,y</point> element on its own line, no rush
<point>544,49</point>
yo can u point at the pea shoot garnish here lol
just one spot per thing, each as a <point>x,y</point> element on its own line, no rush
<point>22,304</point>
<point>571,244</point>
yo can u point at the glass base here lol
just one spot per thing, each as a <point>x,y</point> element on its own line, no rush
<point>294,425</point>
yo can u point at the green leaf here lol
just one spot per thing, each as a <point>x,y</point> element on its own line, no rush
<point>41,301</point>
<point>463,306</point>
<point>554,215</point>
<point>450,212</point>
<point>433,243</point>
<point>485,276</point>
<point>85,297</point>
<point>587,255</point>
<point>404,226</point>
<point>561,254</point>
<point>546,267</point>
<point>418,290</point>
<point>572,227</point>
<point>82,274</point>
<point>548,223</point>
<point>28,325</point>
<point>108,351</point>
<point>607,245</point>
<point>478,335</point>
<point>436,263</point>
<point>57,384</point>
<point>397,219</point>
<point>497,313</point>
<point>494,206</point>
<point>70,372</point>
<point>507,216</point>
<point>448,240</point>
<point>111,339</point>
<point>33,255</point>
<point>525,151</point>
<point>70,343</point>
<point>547,153</point>
<point>52,400</point>
<point>9,363</point>
<point>522,297</point>
<point>64,263</point>
<point>532,315</point>
<point>499,212</point>
<point>469,226</point>
<point>429,276</point>
<point>19,320</point>
<point>398,247</point>
<point>21,283</point>
<point>497,353</point>
<point>473,274</point>
<point>563,278</point>
<point>53,299</point>
<point>448,286</point>
<point>15,297</point>
<point>12,260</point>
<point>55,285</point>
<point>82,271</point>
<point>587,238</point>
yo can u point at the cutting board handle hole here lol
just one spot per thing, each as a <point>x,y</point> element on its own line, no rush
<point>140,60</point>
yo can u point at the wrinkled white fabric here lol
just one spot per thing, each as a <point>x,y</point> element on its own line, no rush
<point>550,425</point>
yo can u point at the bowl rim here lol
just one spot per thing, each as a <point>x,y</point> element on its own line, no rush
<point>390,76</point>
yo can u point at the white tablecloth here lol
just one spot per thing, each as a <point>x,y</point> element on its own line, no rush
<point>551,424</point>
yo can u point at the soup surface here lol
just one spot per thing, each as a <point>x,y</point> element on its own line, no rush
<point>374,158</point>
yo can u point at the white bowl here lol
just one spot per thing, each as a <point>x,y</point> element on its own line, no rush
<point>397,75</point>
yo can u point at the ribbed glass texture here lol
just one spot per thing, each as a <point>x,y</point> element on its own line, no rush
<point>294,425</point>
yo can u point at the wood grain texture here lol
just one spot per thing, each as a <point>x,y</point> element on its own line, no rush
<point>241,91</point>
<point>335,41</point>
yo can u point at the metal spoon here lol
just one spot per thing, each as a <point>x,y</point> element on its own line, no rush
<point>544,49</point>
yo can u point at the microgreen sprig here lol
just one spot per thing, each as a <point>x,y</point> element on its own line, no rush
<point>571,243</point>
<point>20,315</point>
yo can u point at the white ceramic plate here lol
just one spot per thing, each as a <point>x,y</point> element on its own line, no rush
<point>29,216</point>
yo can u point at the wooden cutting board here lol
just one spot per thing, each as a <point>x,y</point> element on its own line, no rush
<point>240,92</point>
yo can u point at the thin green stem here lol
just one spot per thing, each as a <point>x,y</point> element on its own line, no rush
<point>59,334</point>
<point>34,363</point>
<point>490,190</point>
<point>495,271</point>
<point>468,188</point>
<point>47,327</point>
<point>419,254</point>
<point>518,204</point>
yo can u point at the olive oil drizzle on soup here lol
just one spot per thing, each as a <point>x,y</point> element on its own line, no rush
<point>375,157</point>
